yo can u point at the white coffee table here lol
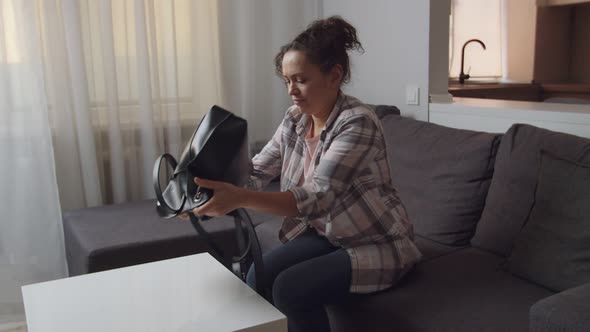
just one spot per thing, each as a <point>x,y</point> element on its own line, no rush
<point>192,293</point>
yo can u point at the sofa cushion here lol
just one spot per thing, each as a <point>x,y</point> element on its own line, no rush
<point>461,291</point>
<point>432,249</point>
<point>512,190</point>
<point>565,311</point>
<point>268,234</point>
<point>113,236</point>
<point>442,175</point>
<point>553,249</point>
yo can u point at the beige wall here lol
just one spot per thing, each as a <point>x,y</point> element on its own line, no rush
<point>520,21</point>
<point>438,63</point>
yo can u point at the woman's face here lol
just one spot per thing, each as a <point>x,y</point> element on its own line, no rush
<point>310,89</point>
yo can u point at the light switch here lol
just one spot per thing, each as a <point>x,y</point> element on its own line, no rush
<point>412,95</point>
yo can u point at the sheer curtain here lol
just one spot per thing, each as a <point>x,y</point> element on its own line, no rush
<point>92,91</point>
<point>137,73</point>
<point>31,247</point>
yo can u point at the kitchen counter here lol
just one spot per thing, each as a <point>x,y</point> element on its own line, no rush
<point>498,115</point>
<point>519,91</point>
<point>505,91</point>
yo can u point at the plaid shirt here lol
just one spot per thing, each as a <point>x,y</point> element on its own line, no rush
<point>351,189</point>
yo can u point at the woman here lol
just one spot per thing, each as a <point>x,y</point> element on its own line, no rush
<point>345,230</point>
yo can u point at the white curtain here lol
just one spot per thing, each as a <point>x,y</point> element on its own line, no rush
<point>137,73</point>
<point>92,91</point>
<point>31,244</point>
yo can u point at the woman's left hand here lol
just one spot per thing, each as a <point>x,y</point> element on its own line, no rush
<point>226,198</point>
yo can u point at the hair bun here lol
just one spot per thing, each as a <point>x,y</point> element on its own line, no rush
<point>337,32</point>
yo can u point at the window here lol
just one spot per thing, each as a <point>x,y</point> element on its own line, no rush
<point>168,32</point>
<point>480,19</point>
<point>10,53</point>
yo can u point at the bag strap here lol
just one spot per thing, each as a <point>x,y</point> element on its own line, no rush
<point>251,247</point>
<point>215,250</point>
<point>256,254</point>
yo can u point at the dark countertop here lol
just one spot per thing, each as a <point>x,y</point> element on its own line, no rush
<point>519,91</point>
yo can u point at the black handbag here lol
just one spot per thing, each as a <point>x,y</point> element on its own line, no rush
<point>217,150</point>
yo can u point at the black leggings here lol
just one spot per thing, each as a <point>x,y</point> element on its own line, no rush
<point>304,275</point>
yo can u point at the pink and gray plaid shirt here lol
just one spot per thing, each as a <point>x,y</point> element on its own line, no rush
<point>351,190</point>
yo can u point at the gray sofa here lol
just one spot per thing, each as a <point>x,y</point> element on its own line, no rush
<point>473,198</point>
<point>469,196</point>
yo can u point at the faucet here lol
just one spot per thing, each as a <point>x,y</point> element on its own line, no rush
<point>463,76</point>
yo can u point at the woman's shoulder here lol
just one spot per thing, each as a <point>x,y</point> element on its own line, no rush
<point>353,108</point>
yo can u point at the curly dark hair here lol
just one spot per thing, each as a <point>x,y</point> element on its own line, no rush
<point>326,43</point>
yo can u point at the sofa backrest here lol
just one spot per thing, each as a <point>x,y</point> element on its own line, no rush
<point>442,175</point>
<point>512,191</point>
<point>384,110</point>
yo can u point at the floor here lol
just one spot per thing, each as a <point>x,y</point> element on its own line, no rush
<point>13,327</point>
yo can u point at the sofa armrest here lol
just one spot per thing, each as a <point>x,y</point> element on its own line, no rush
<point>565,311</point>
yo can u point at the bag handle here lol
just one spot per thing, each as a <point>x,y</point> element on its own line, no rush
<point>164,210</point>
<point>256,254</point>
<point>252,246</point>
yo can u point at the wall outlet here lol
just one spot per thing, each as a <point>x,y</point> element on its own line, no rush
<point>412,95</point>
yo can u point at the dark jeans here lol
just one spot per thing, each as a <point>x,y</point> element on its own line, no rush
<point>304,275</point>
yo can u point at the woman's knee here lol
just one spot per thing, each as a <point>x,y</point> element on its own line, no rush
<point>287,294</point>
<point>313,283</point>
